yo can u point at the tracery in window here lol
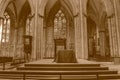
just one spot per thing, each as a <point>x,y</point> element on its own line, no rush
<point>28,26</point>
<point>5,29</point>
<point>60,25</point>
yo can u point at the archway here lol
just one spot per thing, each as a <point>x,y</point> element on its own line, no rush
<point>58,14</point>
<point>92,36</point>
<point>24,31</point>
<point>98,37</point>
<point>18,18</point>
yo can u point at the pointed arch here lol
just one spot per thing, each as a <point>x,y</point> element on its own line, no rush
<point>31,6</point>
<point>108,6</point>
<point>3,5</point>
<point>69,3</point>
<point>25,11</point>
<point>51,10</point>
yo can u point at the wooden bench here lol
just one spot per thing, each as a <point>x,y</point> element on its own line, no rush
<point>62,74</point>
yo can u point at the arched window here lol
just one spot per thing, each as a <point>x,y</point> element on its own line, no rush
<point>60,25</point>
<point>28,26</point>
<point>1,24</point>
<point>5,29</point>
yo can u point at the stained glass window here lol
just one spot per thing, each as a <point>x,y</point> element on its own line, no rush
<point>60,25</point>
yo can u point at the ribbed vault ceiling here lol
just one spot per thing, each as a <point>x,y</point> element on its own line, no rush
<point>54,5</point>
<point>20,8</point>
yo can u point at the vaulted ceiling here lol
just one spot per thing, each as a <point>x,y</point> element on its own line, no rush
<point>53,6</point>
<point>96,9</point>
<point>17,6</point>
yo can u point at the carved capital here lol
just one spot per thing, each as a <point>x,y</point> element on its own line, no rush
<point>41,16</point>
<point>111,16</point>
<point>76,15</point>
<point>31,16</point>
<point>86,15</point>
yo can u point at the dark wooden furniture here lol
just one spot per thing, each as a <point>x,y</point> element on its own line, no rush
<point>4,60</point>
<point>59,42</point>
<point>65,56</point>
<point>27,46</point>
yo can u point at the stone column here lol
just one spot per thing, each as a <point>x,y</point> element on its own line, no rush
<point>34,52</point>
<point>110,37</point>
<point>84,25</point>
<point>49,45</point>
<point>85,38</point>
<point>1,25</point>
<point>90,46</point>
<point>15,39</point>
<point>39,31</point>
<point>78,47</point>
<point>102,43</point>
<point>68,35</point>
<point>42,39</point>
<point>71,35</point>
<point>114,37</point>
<point>116,8</point>
<point>83,32</point>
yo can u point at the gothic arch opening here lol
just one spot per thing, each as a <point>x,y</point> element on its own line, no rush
<point>98,33</point>
<point>59,25</point>
<point>25,31</point>
<point>15,17</point>
<point>91,28</point>
<point>7,29</point>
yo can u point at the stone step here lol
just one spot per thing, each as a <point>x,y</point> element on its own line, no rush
<point>63,77</point>
<point>92,72</point>
<point>77,77</point>
<point>62,68</point>
<point>85,77</point>
<point>62,65</point>
<point>110,76</point>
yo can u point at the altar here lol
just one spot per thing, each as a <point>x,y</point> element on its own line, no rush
<point>65,56</point>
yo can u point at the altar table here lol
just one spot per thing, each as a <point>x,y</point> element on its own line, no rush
<point>66,56</point>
